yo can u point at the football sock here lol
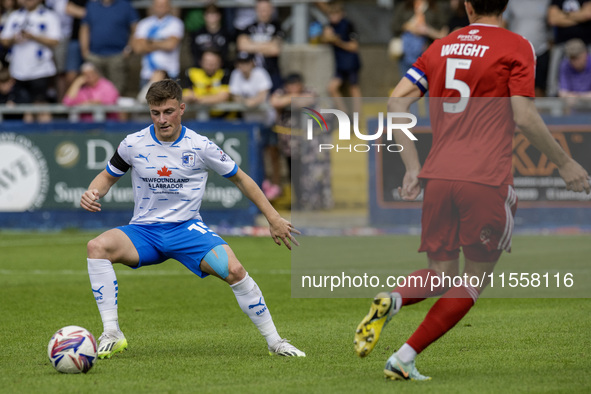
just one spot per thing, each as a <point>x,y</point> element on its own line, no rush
<point>443,315</point>
<point>104,289</point>
<point>411,293</point>
<point>406,353</point>
<point>252,303</point>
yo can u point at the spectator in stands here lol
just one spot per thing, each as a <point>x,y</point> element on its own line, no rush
<point>575,70</point>
<point>263,39</point>
<point>91,88</point>
<point>158,75</point>
<point>528,19</point>
<point>32,32</point>
<point>212,36</point>
<point>6,7</point>
<point>77,10</point>
<point>341,34</point>
<point>570,19</point>
<point>105,38</point>
<point>61,50</point>
<point>158,38</point>
<point>418,23</point>
<point>308,170</point>
<point>244,15</point>
<point>208,84</point>
<point>8,93</point>
<point>250,85</point>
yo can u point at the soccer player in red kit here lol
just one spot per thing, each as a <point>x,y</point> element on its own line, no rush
<point>481,82</point>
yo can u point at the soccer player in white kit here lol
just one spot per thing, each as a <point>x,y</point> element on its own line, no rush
<point>169,166</point>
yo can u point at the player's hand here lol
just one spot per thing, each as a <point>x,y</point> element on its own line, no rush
<point>411,186</point>
<point>575,176</point>
<point>89,200</point>
<point>281,231</point>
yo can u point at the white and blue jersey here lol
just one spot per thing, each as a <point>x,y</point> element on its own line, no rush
<point>156,29</point>
<point>168,178</point>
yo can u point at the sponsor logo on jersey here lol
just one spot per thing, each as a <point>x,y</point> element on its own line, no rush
<point>165,181</point>
<point>188,159</point>
<point>140,156</point>
<point>164,171</point>
<point>471,36</point>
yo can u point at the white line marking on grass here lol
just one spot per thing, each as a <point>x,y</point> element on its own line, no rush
<point>65,240</point>
<point>124,272</point>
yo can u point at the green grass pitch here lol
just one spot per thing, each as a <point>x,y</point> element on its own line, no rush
<point>189,335</point>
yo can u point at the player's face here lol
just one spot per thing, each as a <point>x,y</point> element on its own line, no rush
<point>167,119</point>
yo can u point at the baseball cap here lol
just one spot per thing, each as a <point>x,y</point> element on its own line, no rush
<point>244,57</point>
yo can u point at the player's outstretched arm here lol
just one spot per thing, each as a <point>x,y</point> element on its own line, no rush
<point>281,229</point>
<point>99,186</point>
<point>530,122</point>
<point>403,95</point>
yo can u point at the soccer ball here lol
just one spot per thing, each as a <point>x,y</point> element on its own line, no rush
<point>72,349</point>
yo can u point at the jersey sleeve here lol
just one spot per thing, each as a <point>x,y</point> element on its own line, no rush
<point>120,162</point>
<point>352,34</point>
<point>263,79</point>
<point>177,29</point>
<point>416,74</point>
<point>9,26</point>
<point>141,31</point>
<point>218,161</point>
<point>522,77</point>
<point>234,83</point>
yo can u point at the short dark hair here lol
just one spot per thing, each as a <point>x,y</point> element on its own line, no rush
<point>488,7</point>
<point>211,7</point>
<point>293,78</point>
<point>213,50</point>
<point>161,91</point>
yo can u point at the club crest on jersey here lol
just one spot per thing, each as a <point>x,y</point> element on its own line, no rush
<point>188,159</point>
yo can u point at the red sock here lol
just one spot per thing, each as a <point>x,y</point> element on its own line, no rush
<point>411,293</point>
<point>443,315</point>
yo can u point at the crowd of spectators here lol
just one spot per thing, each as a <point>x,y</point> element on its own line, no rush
<point>78,52</point>
<point>45,42</point>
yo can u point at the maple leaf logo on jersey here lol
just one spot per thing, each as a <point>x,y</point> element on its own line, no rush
<point>164,171</point>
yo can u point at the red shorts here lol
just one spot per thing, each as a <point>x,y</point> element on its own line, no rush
<point>477,217</point>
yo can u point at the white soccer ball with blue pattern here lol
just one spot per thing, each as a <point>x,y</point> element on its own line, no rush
<point>72,349</point>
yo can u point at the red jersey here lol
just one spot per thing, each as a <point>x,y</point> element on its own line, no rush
<point>470,75</point>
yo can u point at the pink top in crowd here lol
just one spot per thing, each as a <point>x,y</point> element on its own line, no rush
<point>104,92</point>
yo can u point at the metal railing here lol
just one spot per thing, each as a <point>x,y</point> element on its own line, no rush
<point>547,105</point>
<point>99,112</point>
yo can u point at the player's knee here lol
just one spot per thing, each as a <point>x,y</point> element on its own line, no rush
<point>96,249</point>
<point>236,272</point>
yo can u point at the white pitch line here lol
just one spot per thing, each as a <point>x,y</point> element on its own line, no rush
<point>44,241</point>
<point>152,272</point>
